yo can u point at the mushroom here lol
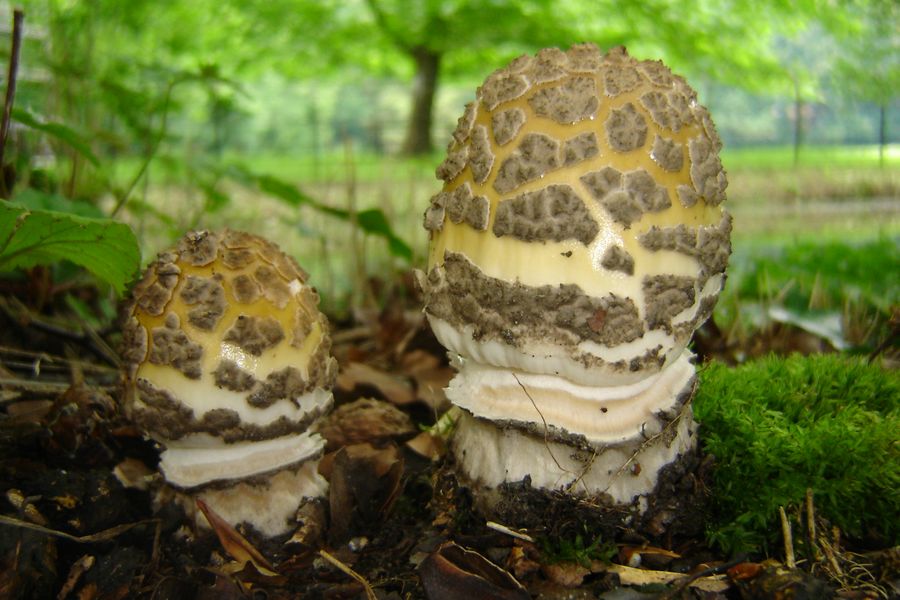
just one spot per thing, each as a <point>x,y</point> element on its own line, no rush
<point>229,369</point>
<point>577,243</point>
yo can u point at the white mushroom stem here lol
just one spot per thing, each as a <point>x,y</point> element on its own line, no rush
<point>269,504</point>
<point>586,440</point>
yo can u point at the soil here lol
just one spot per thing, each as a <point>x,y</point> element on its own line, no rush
<point>78,517</point>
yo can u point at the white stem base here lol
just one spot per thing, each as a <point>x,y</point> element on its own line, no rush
<point>270,504</point>
<point>587,441</point>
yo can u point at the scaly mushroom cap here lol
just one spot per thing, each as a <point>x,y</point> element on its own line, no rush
<point>579,231</point>
<point>229,359</point>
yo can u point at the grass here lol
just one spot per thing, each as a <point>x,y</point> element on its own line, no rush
<point>820,157</point>
<point>819,281</point>
<point>779,426</point>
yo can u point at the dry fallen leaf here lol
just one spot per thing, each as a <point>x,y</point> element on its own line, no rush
<point>567,574</point>
<point>234,543</point>
<point>364,420</point>
<point>452,572</point>
<point>365,482</point>
<point>395,389</point>
<point>428,445</point>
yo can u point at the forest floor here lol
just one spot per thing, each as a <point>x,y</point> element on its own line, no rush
<point>78,517</point>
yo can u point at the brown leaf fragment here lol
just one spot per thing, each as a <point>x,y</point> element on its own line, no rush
<point>452,572</point>
<point>311,517</point>
<point>632,576</point>
<point>364,420</point>
<point>78,568</point>
<point>395,389</point>
<point>744,571</point>
<point>233,542</point>
<point>428,445</point>
<point>521,561</point>
<point>365,483</point>
<point>567,574</point>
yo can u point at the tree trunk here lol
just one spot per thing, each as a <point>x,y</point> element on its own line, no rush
<point>418,129</point>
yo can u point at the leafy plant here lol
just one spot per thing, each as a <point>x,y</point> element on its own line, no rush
<point>371,221</point>
<point>106,248</point>
<point>779,426</point>
<point>576,551</point>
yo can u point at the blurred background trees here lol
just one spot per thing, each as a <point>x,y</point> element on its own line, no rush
<point>320,122</point>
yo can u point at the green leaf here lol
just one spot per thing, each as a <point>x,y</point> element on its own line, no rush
<point>33,199</point>
<point>61,132</point>
<point>374,222</point>
<point>106,248</point>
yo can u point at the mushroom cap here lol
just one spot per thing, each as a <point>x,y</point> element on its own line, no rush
<point>227,356</point>
<point>579,231</point>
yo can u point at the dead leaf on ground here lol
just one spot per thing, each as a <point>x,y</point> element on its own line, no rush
<point>428,445</point>
<point>566,574</point>
<point>366,420</point>
<point>365,483</point>
<point>453,572</point>
<point>236,545</point>
<point>431,375</point>
<point>395,389</point>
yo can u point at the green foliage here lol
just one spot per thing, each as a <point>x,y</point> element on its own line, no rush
<point>576,551</point>
<point>779,426</point>
<point>41,237</point>
<point>371,221</point>
<point>833,272</point>
<point>64,134</point>
<point>834,289</point>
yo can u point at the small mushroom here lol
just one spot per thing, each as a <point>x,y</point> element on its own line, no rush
<point>571,259</point>
<point>229,369</point>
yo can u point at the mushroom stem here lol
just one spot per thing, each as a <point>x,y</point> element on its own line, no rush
<point>589,442</point>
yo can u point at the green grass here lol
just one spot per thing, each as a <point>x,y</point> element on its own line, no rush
<point>779,426</point>
<point>815,280</point>
<point>782,157</point>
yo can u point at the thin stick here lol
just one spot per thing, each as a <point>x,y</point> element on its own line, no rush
<point>546,428</point>
<point>508,531</point>
<point>41,387</point>
<point>11,76</point>
<point>811,528</point>
<point>102,536</point>
<point>788,539</point>
<point>370,593</point>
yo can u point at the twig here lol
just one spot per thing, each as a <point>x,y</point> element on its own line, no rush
<point>370,593</point>
<point>11,76</point>
<point>652,439</point>
<point>101,536</point>
<point>42,387</point>
<point>546,429</point>
<point>815,555</point>
<point>788,539</point>
<point>52,358</point>
<point>508,531</point>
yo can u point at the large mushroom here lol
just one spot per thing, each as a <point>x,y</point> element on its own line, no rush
<point>577,243</point>
<point>229,369</point>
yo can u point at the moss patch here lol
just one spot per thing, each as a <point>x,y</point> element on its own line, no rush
<point>780,426</point>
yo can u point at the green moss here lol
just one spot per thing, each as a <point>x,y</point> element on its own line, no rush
<point>779,426</point>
